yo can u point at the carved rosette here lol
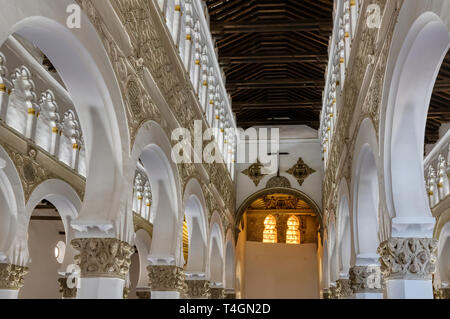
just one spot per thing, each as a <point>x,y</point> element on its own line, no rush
<point>365,279</point>
<point>217,293</point>
<point>67,293</point>
<point>343,288</point>
<point>11,276</point>
<point>166,278</point>
<point>103,257</point>
<point>198,289</point>
<point>408,258</point>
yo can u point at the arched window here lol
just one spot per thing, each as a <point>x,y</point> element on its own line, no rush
<point>292,232</point>
<point>270,230</point>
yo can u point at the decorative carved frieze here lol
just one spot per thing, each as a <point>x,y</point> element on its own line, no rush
<point>365,279</point>
<point>103,257</point>
<point>198,289</point>
<point>11,276</point>
<point>408,258</point>
<point>343,288</point>
<point>300,171</point>
<point>166,278</point>
<point>217,293</point>
<point>67,293</point>
<point>254,172</point>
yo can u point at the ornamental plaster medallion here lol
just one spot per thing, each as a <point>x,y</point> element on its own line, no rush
<point>254,172</point>
<point>300,171</point>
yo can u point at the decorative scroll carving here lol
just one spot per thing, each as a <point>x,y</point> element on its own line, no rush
<point>343,288</point>
<point>103,257</point>
<point>278,181</point>
<point>217,293</point>
<point>198,289</point>
<point>365,279</point>
<point>300,171</point>
<point>166,278</point>
<point>408,258</point>
<point>11,276</point>
<point>254,172</point>
<point>67,293</point>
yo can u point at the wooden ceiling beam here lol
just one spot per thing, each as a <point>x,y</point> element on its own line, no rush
<point>275,83</point>
<point>273,58</point>
<point>271,27</point>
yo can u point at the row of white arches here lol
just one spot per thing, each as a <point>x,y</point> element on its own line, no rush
<point>40,119</point>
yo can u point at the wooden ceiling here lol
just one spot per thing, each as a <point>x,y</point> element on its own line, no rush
<point>439,110</point>
<point>274,54</point>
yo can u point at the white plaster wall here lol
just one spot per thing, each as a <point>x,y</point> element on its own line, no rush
<point>42,280</point>
<point>298,141</point>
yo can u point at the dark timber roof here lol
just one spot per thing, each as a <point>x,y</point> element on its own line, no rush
<point>274,54</point>
<point>439,111</point>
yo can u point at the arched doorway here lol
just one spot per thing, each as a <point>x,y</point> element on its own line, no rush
<point>295,223</point>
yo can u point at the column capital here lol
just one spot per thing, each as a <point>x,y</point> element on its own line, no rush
<point>198,289</point>
<point>230,294</point>
<point>143,293</point>
<point>67,293</point>
<point>408,258</point>
<point>166,278</point>
<point>11,276</point>
<point>343,288</point>
<point>441,293</point>
<point>217,292</point>
<point>103,257</point>
<point>365,279</point>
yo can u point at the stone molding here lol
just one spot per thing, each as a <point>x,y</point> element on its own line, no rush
<point>198,289</point>
<point>11,276</point>
<point>67,293</point>
<point>365,279</point>
<point>166,278</point>
<point>103,257</point>
<point>343,288</point>
<point>408,258</point>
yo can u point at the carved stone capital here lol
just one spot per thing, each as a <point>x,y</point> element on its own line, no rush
<point>217,293</point>
<point>365,279</point>
<point>326,294</point>
<point>408,258</point>
<point>103,257</point>
<point>230,294</point>
<point>11,276</point>
<point>343,288</point>
<point>166,278</point>
<point>143,294</point>
<point>332,292</point>
<point>441,293</point>
<point>198,289</point>
<point>67,293</point>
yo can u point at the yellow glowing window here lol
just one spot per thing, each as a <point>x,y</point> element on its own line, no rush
<point>270,230</point>
<point>292,232</point>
